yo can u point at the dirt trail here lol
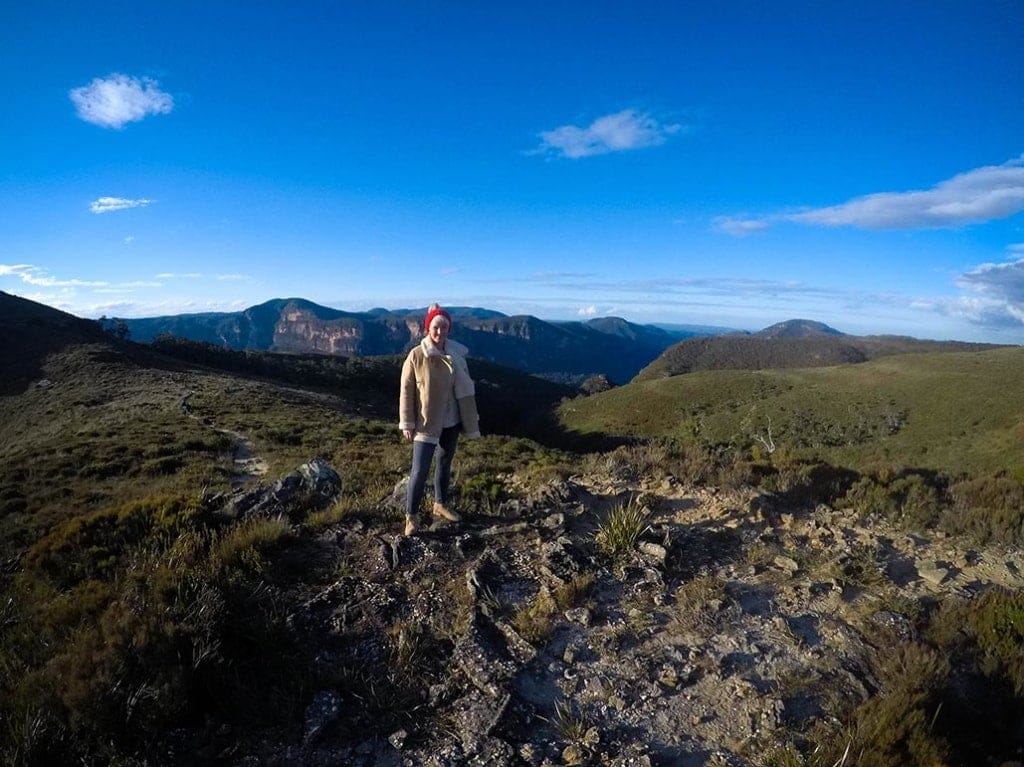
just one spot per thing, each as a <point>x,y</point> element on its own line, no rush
<point>247,465</point>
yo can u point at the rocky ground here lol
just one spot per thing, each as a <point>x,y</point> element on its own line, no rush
<point>508,639</point>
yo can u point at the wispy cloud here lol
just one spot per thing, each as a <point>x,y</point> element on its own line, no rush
<point>556,276</point>
<point>34,275</point>
<point>40,277</point>
<point>587,311</point>
<point>109,204</point>
<point>126,307</point>
<point>14,269</point>
<point>201,276</point>
<point>739,226</point>
<point>619,132</point>
<point>117,99</point>
<point>979,195</point>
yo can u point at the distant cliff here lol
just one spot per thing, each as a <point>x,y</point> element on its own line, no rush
<point>567,351</point>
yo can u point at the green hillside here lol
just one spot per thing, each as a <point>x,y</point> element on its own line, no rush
<point>789,345</point>
<point>951,412</point>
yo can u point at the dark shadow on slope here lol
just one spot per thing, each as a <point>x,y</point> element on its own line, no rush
<point>31,332</point>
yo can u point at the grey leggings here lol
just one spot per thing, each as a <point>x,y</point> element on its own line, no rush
<point>422,452</point>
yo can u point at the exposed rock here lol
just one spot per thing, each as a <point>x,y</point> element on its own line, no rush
<point>396,499</point>
<point>685,647</point>
<point>312,486</point>
<point>788,564</point>
<point>320,714</point>
<point>654,550</point>
<point>482,655</point>
<point>933,573</point>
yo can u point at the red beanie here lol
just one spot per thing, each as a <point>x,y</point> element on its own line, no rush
<point>432,312</point>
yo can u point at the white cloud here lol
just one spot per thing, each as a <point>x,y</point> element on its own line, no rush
<point>34,275</point>
<point>173,276</point>
<point>1004,281</point>
<point>118,287</point>
<point>233,277</point>
<point>118,99</point>
<point>108,204</point>
<point>739,226</point>
<point>979,195</point>
<point>994,297</point>
<point>617,132</point>
<point>587,311</point>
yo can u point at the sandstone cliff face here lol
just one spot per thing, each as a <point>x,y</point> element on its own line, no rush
<point>302,330</point>
<point>569,351</point>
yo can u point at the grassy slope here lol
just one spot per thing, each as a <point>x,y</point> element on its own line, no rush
<point>109,426</point>
<point>735,352</point>
<point>954,412</point>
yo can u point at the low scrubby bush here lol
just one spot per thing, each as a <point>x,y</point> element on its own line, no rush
<point>953,697</point>
<point>93,545</point>
<point>912,499</point>
<point>132,621</point>
<point>989,509</point>
<point>483,491</point>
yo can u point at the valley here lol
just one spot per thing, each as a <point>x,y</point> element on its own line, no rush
<point>798,566</point>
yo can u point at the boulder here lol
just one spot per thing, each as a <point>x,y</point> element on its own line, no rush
<point>311,487</point>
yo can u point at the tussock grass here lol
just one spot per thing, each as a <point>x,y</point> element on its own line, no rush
<point>574,593</point>
<point>243,544</point>
<point>569,724</point>
<point>536,620</point>
<point>619,531</point>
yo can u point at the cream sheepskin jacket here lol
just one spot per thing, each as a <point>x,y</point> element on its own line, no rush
<point>430,378</point>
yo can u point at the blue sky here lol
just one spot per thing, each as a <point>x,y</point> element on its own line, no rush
<point>726,163</point>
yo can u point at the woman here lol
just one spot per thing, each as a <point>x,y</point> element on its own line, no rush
<point>436,402</point>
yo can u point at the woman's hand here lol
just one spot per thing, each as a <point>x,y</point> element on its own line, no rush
<point>409,433</point>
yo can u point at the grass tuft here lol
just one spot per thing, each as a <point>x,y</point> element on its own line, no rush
<point>618,533</point>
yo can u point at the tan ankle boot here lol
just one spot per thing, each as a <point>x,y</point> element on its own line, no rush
<point>411,526</point>
<point>445,513</point>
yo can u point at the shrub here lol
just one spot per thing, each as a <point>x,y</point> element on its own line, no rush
<point>989,509</point>
<point>952,700</point>
<point>178,626</point>
<point>483,490</point>
<point>894,728</point>
<point>93,545</point>
<point>991,629</point>
<point>911,499</point>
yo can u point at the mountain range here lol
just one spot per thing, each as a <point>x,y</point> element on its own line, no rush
<point>566,351</point>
